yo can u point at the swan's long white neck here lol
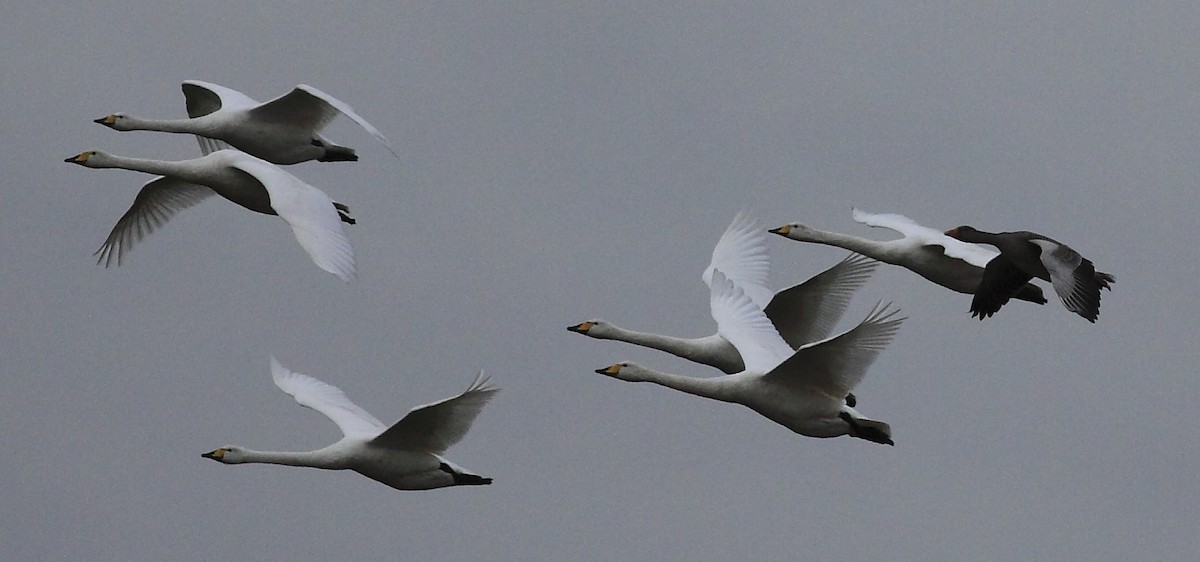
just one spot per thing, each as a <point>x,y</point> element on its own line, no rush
<point>164,125</point>
<point>311,459</point>
<point>711,350</point>
<point>716,388</point>
<point>158,167</point>
<point>882,251</point>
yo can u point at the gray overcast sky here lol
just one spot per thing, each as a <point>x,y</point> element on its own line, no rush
<point>563,162</point>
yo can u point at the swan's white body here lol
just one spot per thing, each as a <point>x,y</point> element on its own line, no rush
<point>801,389</point>
<point>405,456</point>
<point>801,314</point>
<point>248,181</point>
<point>284,130</point>
<point>951,263</point>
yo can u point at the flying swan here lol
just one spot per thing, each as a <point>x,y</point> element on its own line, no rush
<point>802,390</point>
<point>406,456</point>
<point>801,314</point>
<point>284,130</point>
<point>951,263</point>
<point>255,184</point>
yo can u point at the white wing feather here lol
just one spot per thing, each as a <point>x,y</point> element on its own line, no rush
<point>155,204</point>
<point>741,254</point>
<point>203,98</point>
<point>327,399</point>
<point>745,326</point>
<point>348,111</point>
<point>229,98</point>
<point>209,146</point>
<point>310,213</point>
<point>974,254</point>
<point>436,427</point>
<point>836,365</point>
<point>808,312</point>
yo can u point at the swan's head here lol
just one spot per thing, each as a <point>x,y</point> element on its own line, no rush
<point>595,328</point>
<point>89,158</point>
<point>116,121</point>
<point>625,370</point>
<point>793,230</point>
<point>229,454</point>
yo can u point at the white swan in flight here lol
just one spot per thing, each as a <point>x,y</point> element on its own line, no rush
<point>285,130</point>
<point>801,314</point>
<point>803,390</point>
<point>255,184</point>
<point>405,456</point>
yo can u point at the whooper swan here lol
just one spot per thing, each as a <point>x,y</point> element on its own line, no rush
<point>804,390</point>
<point>250,182</point>
<point>803,313</point>
<point>284,130</point>
<point>405,456</point>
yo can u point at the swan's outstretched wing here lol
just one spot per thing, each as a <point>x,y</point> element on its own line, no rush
<point>974,254</point>
<point>436,427</point>
<point>209,146</point>
<point>1073,277</point>
<point>309,107</point>
<point>348,111</point>
<point>744,325</point>
<point>203,98</point>
<point>836,365</point>
<point>808,312</point>
<point>327,399</point>
<point>158,200</point>
<point>308,210</point>
<point>741,254</point>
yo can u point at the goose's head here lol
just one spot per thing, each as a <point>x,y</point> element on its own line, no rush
<point>115,121</point>
<point>89,158</point>
<point>961,233</point>
<point>792,230</point>
<point>626,371</point>
<point>594,328</point>
<point>229,454</point>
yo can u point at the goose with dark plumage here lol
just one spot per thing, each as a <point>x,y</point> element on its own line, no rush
<point>1025,255</point>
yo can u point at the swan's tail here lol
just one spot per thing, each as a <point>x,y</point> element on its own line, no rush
<point>463,478</point>
<point>335,153</point>
<point>871,430</point>
<point>874,431</point>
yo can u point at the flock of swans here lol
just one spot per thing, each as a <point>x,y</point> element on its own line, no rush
<point>774,347</point>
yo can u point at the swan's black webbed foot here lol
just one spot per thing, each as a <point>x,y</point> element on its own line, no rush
<point>344,213</point>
